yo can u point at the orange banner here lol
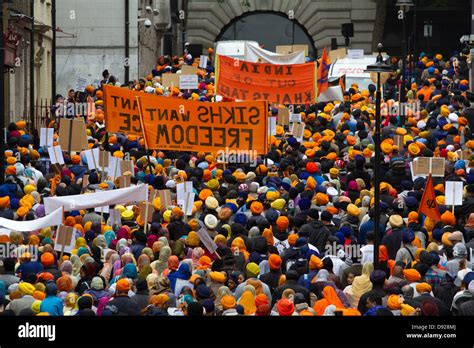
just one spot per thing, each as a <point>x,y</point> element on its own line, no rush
<point>121,110</point>
<point>283,84</point>
<point>184,125</point>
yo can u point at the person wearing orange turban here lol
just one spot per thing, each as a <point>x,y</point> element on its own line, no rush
<point>412,275</point>
<point>329,298</point>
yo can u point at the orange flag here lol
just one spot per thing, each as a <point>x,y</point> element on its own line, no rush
<point>428,205</point>
<point>323,73</point>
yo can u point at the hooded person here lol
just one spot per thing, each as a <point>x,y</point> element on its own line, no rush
<point>360,285</point>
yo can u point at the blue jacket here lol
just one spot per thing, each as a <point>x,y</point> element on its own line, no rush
<point>26,268</point>
<point>53,305</point>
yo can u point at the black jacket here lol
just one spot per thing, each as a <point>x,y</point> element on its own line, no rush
<point>290,284</point>
<point>316,233</point>
<point>393,241</point>
<point>271,279</point>
<point>443,309</point>
<point>121,305</point>
<point>177,229</point>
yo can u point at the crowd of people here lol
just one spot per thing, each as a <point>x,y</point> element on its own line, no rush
<point>294,231</point>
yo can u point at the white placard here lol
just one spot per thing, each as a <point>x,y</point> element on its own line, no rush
<point>453,193</point>
<point>103,210</point>
<point>114,169</point>
<point>188,82</point>
<point>355,54</point>
<point>272,123</point>
<point>114,217</point>
<point>81,83</point>
<point>181,190</point>
<point>92,157</point>
<point>187,204</point>
<point>46,137</point>
<point>295,118</point>
<point>56,154</point>
<point>203,62</point>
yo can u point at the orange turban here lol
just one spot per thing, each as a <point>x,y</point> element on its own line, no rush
<point>448,218</point>
<point>123,285</point>
<point>423,287</point>
<point>411,275</point>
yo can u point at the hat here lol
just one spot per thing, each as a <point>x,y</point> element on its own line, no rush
<point>256,207</point>
<point>396,221</point>
<point>211,221</point>
<point>228,302</point>
<point>211,203</point>
<point>315,262</point>
<point>353,210</point>
<point>47,259</point>
<point>274,261</point>
<point>447,218</point>
<point>97,283</point>
<point>26,288</point>
<point>423,287</point>
<point>411,275</point>
<point>123,285</point>
<point>252,270</point>
<point>285,307</point>
<point>282,223</point>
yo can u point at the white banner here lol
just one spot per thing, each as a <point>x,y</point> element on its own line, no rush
<point>331,94</point>
<point>53,219</point>
<point>257,54</point>
<point>98,199</point>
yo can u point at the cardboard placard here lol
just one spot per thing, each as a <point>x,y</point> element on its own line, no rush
<point>398,141</point>
<point>65,239</point>
<point>283,116</point>
<point>170,80</point>
<point>165,197</point>
<point>463,154</point>
<point>127,166</point>
<point>340,53</point>
<point>188,70</point>
<point>104,158</point>
<point>453,193</point>
<point>297,130</point>
<point>144,213</point>
<point>57,168</point>
<point>72,135</point>
<point>203,62</point>
<point>123,181</point>
<point>56,155</point>
<point>422,166</point>
<point>85,180</point>
<point>188,82</point>
<point>286,49</point>
<point>46,137</point>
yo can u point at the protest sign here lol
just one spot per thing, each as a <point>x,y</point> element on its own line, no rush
<point>203,62</point>
<point>72,135</point>
<point>170,80</point>
<point>283,84</point>
<point>272,123</point>
<point>453,193</point>
<point>182,189</point>
<point>183,125</point>
<point>188,70</point>
<point>103,210</point>
<point>287,49</point>
<point>114,170</point>
<point>114,217</point>
<point>257,54</point>
<point>337,54</point>
<point>423,166</point>
<point>188,82</point>
<point>165,197</point>
<point>65,239</point>
<point>146,211</point>
<point>127,166</point>
<point>121,110</point>
<point>398,141</point>
<point>283,116</point>
<point>56,154</point>
<point>81,83</point>
<point>46,137</point>
<point>92,157</point>
<point>295,118</point>
<point>97,199</point>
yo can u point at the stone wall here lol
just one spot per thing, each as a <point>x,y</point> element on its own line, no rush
<point>322,19</point>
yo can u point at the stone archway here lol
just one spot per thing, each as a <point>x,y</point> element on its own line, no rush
<point>322,19</point>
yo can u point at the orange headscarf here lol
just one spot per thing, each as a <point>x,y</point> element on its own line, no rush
<point>247,300</point>
<point>238,243</point>
<point>329,298</point>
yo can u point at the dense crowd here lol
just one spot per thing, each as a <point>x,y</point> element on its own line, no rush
<point>294,232</point>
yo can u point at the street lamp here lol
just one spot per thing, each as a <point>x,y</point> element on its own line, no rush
<point>403,8</point>
<point>379,67</point>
